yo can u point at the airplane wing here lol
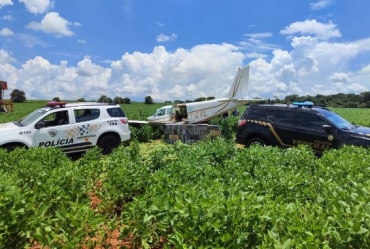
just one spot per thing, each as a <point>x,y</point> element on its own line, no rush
<point>240,100</point>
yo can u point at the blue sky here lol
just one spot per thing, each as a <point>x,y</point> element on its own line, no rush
<point>183,49</point>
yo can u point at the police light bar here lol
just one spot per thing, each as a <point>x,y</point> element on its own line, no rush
<point>56,103</point>
<point>305,103</point>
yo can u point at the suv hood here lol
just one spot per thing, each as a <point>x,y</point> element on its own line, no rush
<point>361,130</point>
<point>8,127</point>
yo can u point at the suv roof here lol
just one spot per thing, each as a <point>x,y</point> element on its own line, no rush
<point>74,104</point>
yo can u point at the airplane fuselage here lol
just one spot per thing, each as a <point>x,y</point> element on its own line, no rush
<point>204,111</point>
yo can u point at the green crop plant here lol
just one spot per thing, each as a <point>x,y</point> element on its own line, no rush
<point>211,194</point>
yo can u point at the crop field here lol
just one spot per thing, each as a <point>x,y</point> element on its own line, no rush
<point>140,111</point>
<point>212,194</point>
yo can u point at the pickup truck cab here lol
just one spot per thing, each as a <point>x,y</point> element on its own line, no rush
<point>73,127</point>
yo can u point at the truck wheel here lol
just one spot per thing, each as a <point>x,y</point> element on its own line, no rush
<point>107,143</point>
<point>255,141</point>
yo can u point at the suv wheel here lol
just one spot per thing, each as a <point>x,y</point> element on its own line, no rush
<point>12,146</point>
<point>107,143</point>
<point>255,141</point>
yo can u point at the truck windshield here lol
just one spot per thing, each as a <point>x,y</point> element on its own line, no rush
<point>335,119</point>
<point>30,118</point>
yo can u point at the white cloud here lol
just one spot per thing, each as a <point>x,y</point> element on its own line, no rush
<point>340,77</point>
<point>166,38</point>
<point>312,27</point>
<point>6,32</point>
<point>160,24</point>
<point>8,17</point>
<point>184,73</point>
<point>256,43</point>
<point>53,23</point>
<point>322,4</point>
<point>81,41</point>
<point>259,35</point>
<point>5,57</point>
<point>366,69</point>
<point>5,2</point>
<point>309,67</point>
<point>31,41</point>
<point>37,6</point>
<point>255,55</point>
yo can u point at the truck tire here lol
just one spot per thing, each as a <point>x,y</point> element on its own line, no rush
<point>107,143</point>
<point>255,141</point>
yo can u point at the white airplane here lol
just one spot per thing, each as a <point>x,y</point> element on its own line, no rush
<point>200,112</point>
<point>162,115</point>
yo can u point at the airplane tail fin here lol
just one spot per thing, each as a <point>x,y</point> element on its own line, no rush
<point>240,85</point>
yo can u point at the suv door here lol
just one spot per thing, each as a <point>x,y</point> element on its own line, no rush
<point>310,132</point>
<point>50,131</point>
<point>282,126</point>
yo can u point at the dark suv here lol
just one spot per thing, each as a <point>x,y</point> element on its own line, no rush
<point>298,123</point>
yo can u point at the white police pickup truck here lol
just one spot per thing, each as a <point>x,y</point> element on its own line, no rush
<point>73,127</point>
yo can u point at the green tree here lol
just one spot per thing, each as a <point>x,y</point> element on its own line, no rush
<point>200,99</point>
<point>105,99</point>
<point>57,99</point>
<point>18,96</point>
<point>149,100</point>
<point>126,100</point>
<point>118,100</point>
<point>81,100</point>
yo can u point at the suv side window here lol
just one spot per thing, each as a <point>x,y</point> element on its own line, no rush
<point>270,115</point>
<point>310,121</point>
<point>116,112</point>
<point>56,118</point>
<point>285,117</point>
<point>83,115</point>
<point>254,113</point>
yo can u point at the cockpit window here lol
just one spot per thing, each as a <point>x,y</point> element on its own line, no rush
<point>161,112</point>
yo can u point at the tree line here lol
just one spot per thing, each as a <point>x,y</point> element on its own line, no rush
<point>342,100</point>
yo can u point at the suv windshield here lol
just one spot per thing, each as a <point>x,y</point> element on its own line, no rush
<point>29,119</point>
<point>335,119</point>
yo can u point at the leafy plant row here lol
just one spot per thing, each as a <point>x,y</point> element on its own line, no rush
<point>207,195</point>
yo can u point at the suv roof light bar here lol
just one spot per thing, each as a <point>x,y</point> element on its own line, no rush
<point>308,104</point>
<point>55,103</point>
